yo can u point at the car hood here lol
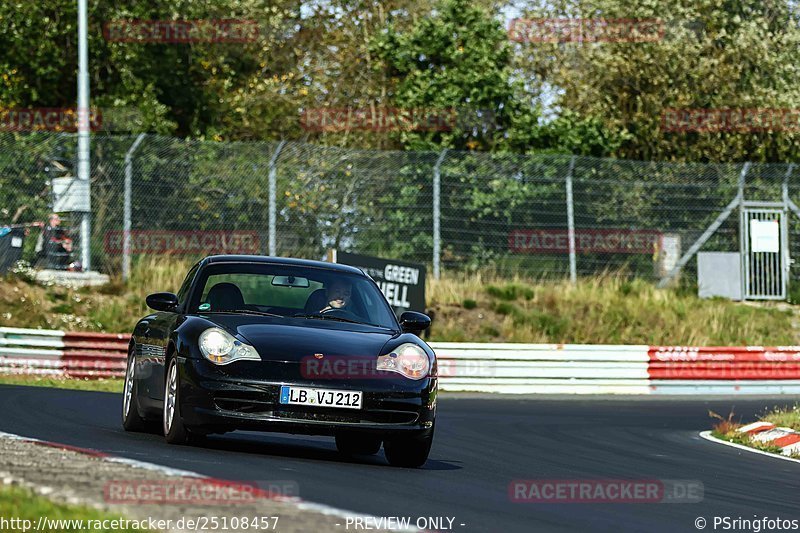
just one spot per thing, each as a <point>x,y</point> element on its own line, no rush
<point>293,339</point>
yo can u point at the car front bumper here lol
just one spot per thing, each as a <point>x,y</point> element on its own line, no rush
<point>246,396</point>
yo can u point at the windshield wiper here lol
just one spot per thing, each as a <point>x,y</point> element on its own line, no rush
<point>245,312</point>
<point>330,317</point>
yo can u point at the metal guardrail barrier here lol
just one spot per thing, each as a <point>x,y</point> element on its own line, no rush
<point>481,367</point>
<point>62,354</point>
<point>623,369</point>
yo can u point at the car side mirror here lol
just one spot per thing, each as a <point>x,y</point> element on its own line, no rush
<point>414,322</point>
<point>162,301</point>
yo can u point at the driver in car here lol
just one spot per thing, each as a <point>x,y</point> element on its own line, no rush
<point>337,295</point>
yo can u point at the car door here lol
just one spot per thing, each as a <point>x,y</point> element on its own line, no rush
<point>156,336</point>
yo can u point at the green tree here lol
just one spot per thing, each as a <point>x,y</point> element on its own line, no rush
<point>457,58</point>
<point>713,54</point>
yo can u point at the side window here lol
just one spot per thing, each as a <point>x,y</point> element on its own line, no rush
<point>183,292</point>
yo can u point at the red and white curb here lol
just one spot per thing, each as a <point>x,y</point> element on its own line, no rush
<point>787,439</point>
<point>174,472</point>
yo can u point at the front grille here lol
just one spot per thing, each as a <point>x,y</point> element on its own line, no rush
<point>356,417</point>
<point>316,414</point>
<point>243,406</point>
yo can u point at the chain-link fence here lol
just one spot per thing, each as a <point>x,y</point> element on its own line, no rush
<point>540,215</point>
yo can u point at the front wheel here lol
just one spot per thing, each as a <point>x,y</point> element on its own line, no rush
<point>408,452</point>
<point>174,430</point>
<point>131,421</point>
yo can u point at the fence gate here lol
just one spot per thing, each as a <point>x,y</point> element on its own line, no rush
<point>764,251</point>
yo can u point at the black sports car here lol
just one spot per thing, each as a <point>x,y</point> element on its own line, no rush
<point>288,345</point>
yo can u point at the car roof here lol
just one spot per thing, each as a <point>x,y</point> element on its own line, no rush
<point>217,259</point>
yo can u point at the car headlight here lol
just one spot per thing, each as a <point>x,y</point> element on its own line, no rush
<point>221,348</point>
<point>407,359</point>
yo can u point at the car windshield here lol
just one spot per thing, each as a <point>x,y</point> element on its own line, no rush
<point>292,291</point>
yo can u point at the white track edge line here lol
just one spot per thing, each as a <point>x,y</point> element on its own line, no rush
<point>709,437</point>
<point>297,502</point>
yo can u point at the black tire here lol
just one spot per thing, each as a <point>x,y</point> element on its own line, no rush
<point>131,421</point>
<point>408,452</point>
<point>174,432</point>
<point>357,444</point>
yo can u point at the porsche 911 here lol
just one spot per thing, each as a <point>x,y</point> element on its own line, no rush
<point>283,345</point>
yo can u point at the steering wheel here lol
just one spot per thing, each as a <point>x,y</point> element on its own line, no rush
<point>344,313</point>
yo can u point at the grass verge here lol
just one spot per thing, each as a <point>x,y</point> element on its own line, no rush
<point>789,418</point>
<point>726,429</point>
<point>608,309</point>
<point>103,385</point>
<point>22,504</point>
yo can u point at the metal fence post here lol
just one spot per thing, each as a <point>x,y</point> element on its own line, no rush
<point>84,154</point>
<point>573,269</point>
<point>738,201</point>
<point>126,211</point>
<point>273,200</point>
<point>743,257</point>
<point>437,215</point>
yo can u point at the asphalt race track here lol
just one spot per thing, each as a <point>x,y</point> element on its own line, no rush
<point>482,444</point>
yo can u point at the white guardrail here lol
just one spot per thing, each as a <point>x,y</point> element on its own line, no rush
<point>62,354</point>
<point>542,368</point>
<point>509,368</point>
<point>513,368</point>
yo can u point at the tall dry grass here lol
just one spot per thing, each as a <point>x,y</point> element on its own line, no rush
<point>608,308</point>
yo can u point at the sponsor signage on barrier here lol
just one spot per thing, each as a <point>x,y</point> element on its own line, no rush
<point>185,242</point>
<point>610,241</point>
<point>402,283</point>
<point>720,363</point>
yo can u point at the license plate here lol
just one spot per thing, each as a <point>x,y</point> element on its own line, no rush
<point>322,397</point>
